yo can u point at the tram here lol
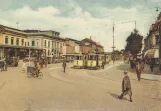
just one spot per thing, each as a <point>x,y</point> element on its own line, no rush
<point>80,61</point>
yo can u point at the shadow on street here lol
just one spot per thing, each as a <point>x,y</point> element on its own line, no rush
<point>116,96</point>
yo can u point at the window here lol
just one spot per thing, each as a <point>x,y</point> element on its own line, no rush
<point>33,43</point>
<point>17,41</point>
<point>45,43</point>
<point>22,42</point>
<point>48,43</point>
<point>25,43</point>
<point>6,40</point>
<point>28,43</point>
<point>12,41</point>
<point>52,44</point>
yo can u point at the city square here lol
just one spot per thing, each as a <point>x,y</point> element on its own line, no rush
<point>77,89</point>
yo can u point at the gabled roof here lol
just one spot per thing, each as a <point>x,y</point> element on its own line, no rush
<point>76,41</point>
<point>10,29</point>
<point>93,42</point>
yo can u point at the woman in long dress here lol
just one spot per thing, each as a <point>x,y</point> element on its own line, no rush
<point>24,67</point>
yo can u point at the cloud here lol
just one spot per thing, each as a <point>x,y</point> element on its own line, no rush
<point>78,23</point>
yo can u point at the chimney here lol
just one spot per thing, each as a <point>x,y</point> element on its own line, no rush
<point>90,37</point>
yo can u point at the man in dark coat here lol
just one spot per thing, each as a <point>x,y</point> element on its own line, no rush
<point>138,71</point>
<point>126,87</point>
<point>103,64</point>
<point>64,65</point>
<point>151,65</point>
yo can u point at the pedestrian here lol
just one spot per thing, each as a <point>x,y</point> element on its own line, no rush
<point>38,69</point>
<point>138,71</point>
<point>64,65</point>
<point>126,87</point>
<point>103,64</point>
<point>142,65</point>
<point>5,66</point>
<point>24,66</point>
<point>46,62</point>
<point>151,65</point>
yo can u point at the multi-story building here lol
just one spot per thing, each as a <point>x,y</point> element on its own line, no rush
<point>49,41</point>
<point>14,42</point>
<point>151,44</point>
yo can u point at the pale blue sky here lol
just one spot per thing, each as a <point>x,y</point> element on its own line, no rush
<point>82,18</point>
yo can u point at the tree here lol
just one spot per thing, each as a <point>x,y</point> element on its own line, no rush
<point>134,42</point>
<point>159,16</point>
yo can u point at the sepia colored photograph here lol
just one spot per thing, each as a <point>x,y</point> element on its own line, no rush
<point>80,55</point>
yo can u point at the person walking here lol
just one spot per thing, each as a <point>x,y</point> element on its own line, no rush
<point>46,62</point>
<point>5,66</point>
<point>142,65</point>
<point>126,87</point>
<point>138,71</point>
<point>103,64</point>
<point>151,65</point>
<point>24,66</point>
<point>64,65</point>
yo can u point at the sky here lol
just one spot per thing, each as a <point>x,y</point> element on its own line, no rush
<point>79,19</point>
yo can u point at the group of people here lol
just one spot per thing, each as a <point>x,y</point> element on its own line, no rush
<point>37,64</point>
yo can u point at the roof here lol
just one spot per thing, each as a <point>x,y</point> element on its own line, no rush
<point>47,36</point>
<point>10,28</point>
<point>93,42</point>
<point>33,31</point>
<point>76,41</point>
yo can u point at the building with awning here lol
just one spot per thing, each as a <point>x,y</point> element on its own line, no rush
<point>152,53</point>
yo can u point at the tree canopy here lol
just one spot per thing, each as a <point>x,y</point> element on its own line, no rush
<point>134,42</point>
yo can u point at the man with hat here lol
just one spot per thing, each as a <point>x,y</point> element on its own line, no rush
<point>126,87</point>
<point>64,65</point>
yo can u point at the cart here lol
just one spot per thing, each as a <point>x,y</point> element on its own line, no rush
<point>32,71</point>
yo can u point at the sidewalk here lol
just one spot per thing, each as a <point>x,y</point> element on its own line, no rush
<point>148,75</point>
<point>151,77</point>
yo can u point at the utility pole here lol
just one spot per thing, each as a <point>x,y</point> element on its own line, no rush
<point>113,47</point>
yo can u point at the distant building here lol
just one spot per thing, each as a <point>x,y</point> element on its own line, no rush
<point>49,41</point>
<point>151,42</point>
<point>96,47</point>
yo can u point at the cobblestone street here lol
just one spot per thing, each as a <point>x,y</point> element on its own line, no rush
<point>76,90</point>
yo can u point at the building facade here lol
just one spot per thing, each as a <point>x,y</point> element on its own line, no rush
<point>14,43</point>
<point>151,42</point>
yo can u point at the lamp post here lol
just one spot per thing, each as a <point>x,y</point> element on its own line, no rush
<point>113,47</point>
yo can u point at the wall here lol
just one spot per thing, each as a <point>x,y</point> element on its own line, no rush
<point>15,38</point>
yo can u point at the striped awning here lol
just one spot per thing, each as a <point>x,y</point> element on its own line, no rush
<point>152,53</point>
